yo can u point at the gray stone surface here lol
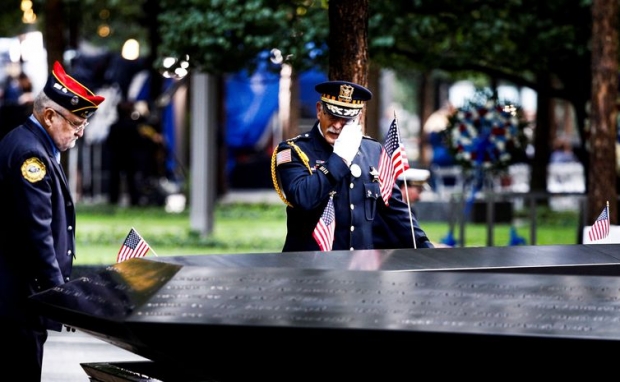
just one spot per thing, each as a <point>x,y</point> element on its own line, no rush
<point>65,351</point>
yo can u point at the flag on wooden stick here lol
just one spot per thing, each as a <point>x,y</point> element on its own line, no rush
<point>133,246</point>
<point>393,161</point>
<point>324,230</point>
<point>600,228</point>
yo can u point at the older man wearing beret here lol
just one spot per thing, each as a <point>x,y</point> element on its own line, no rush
<point>37,239</point>
<point>329,179</point>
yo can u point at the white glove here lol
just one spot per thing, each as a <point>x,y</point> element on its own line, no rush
<point>349,140</point>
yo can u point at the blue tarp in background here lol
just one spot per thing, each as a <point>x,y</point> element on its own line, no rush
<point>251,102</point>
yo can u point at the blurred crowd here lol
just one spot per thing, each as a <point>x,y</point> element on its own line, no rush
<point>16,99</point>
<point>133,151</point>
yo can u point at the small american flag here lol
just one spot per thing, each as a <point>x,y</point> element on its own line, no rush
<point>324,230</point>
<point>393,161</point>
<point>283,156</point>
<point>133,246</point>
<point>600,228</point>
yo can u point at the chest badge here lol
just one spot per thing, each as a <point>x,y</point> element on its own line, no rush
<point>374,173</point>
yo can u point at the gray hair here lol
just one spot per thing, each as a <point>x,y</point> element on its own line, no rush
<point>42,101</point>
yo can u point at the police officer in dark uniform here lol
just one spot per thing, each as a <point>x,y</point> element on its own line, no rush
<point>411,184</point>
<point>37,237</point>
<point>334,160</point>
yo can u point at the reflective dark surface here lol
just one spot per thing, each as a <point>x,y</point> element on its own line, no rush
<point>314,313</point>
<point>601,259</point>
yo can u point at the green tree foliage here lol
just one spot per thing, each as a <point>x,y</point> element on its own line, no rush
<point>513,40</point>
<point>11,19</point>
<point>126,19</point>
<point>543,45</point>
<point>223,36</point>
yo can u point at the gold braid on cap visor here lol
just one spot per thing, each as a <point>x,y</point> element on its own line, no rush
<point>345,112</point>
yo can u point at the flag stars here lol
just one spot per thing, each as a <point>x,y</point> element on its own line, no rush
<point>133,246</point>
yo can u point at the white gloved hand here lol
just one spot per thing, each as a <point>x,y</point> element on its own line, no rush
<point>349,140</point>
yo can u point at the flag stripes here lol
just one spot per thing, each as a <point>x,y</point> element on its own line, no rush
<point>600,228</point>
<point>392,162</point>
<point>133,246</point>
<point>324,230</point>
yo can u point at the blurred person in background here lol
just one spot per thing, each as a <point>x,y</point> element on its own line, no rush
<point>136,154</point>
<point>413,182</point>
<point>17,99</point>
<point>562,151</point>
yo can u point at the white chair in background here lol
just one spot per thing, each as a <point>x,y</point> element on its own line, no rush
<point>447,180</point>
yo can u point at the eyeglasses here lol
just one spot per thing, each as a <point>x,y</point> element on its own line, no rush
<point>76,126</point>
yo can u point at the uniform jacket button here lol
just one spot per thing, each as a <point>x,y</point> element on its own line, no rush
<point>70,228</point>
<point>69,252</point>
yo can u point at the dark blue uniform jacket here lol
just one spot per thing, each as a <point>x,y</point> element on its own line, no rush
<point>357,200</point>
<point>37,237</point>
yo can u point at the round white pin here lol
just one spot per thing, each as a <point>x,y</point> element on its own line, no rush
<point>356,171</point>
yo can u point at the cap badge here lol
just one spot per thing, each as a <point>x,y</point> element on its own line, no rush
<point>346,93</point>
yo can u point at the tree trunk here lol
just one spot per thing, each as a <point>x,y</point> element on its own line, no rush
<point>373,112</point>
<point>428,96</point>
<point>602,183</point>
<point>54,31</point>
<point>348,43</point>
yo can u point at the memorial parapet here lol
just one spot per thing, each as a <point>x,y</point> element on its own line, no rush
<point>245,323</point>
<point>600,259</point>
